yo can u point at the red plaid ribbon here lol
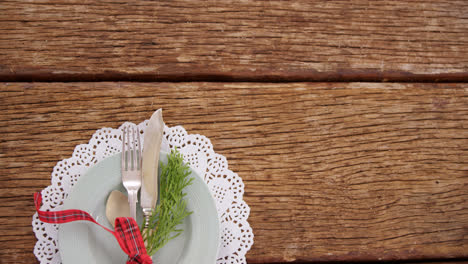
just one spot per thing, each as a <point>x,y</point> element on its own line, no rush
<point>126,231</point>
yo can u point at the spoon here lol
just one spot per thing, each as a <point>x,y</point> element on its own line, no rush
<point>117,206</point>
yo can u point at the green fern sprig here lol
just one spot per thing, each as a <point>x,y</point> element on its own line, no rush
<point>171,210</point>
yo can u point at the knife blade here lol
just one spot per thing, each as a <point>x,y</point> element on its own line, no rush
<point>151,149</point>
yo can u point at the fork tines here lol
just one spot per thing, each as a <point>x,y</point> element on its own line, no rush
<point>131,148</point>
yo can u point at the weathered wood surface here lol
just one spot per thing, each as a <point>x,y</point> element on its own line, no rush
<point>246,40</point>
<point>333,171</point>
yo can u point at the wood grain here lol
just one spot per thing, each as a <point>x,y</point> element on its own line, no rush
<point>296,40</point>
<point>332,171</point>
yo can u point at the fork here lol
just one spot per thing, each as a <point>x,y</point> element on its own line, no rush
<point>131,166</point>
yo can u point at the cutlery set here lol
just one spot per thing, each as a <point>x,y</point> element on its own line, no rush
<point>140,168</point>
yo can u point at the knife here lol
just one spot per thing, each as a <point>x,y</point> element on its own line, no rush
<point>151,148</point>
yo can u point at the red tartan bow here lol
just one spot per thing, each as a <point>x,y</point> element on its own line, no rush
<point>126,231</point>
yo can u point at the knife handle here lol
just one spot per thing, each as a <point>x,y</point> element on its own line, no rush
<point>147,214</point>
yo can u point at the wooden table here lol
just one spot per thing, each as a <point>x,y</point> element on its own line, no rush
<point>347,120</point>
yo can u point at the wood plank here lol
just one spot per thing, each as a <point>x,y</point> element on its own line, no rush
<point>451,261</point>
<point>333,171</point>
<point>236,40</point>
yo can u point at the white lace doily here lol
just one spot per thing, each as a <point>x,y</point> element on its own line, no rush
<point>226,186</point>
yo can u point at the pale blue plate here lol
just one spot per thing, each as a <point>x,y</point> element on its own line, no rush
<point>84,242</point>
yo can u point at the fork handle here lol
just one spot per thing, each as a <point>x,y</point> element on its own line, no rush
<point>132,200</point>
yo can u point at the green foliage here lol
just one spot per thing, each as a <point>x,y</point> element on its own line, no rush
<point>171,209</point>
